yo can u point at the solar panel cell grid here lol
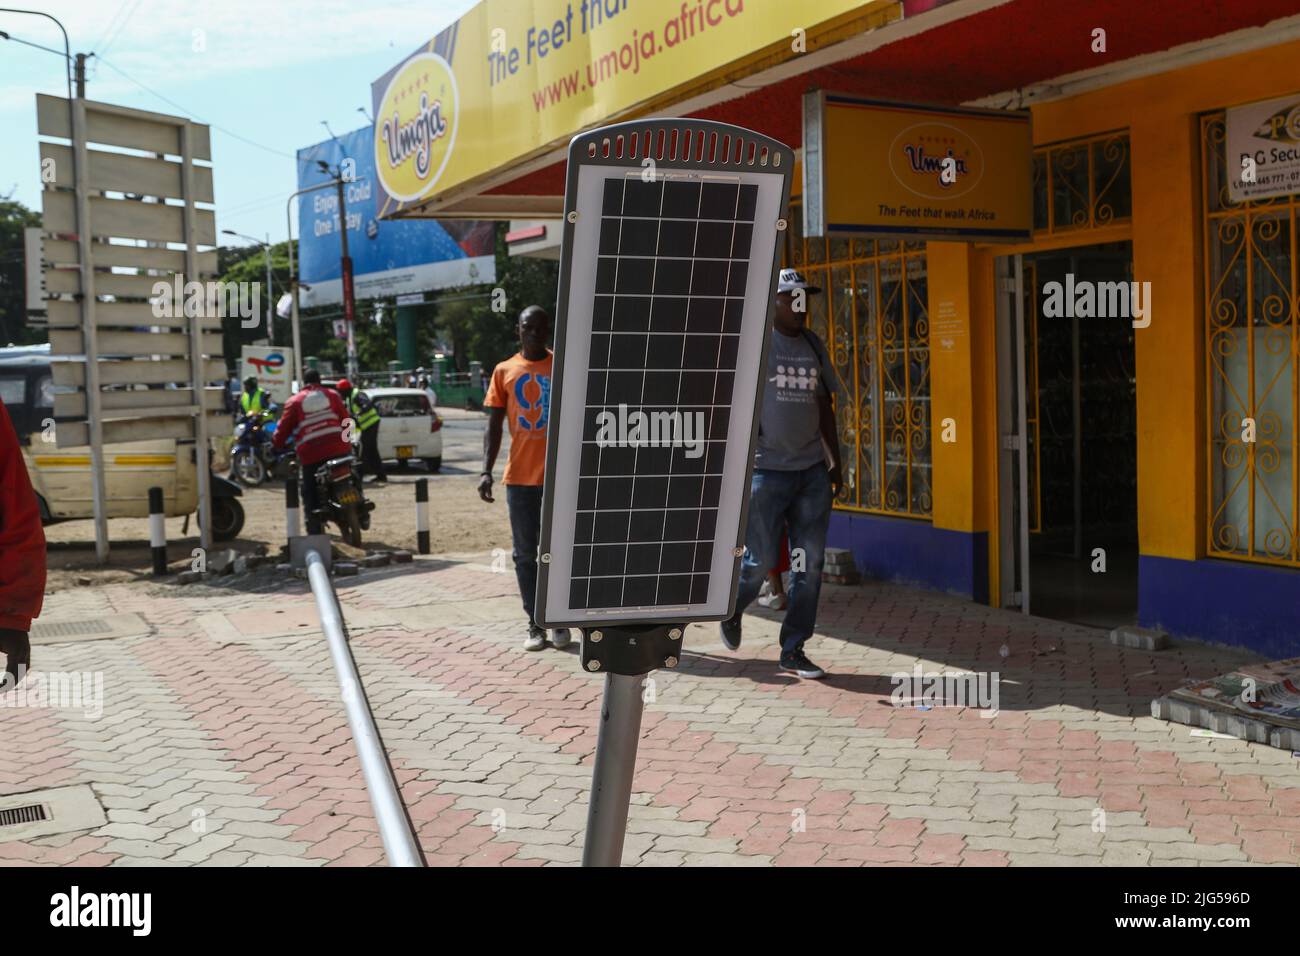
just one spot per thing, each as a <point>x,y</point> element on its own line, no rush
<point>669,297</point>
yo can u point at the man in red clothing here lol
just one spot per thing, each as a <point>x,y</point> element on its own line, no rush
<point>22,556</point>
<point>314,417</point>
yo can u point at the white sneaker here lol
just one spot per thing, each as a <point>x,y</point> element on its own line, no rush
<point>560,638</point>
<point>535,640</point>
<point>771,599</point>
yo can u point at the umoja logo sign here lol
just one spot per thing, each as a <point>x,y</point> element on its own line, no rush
<point>417,119</point>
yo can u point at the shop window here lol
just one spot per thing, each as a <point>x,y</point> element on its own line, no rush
<point>1252,357</point>
<point>874,319</point>
<point>1082,184</point>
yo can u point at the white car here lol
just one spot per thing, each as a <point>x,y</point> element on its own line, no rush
<point>408,426</point>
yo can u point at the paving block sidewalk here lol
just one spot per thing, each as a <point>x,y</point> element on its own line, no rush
<point>223,741</point>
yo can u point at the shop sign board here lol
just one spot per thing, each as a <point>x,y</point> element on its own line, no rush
<point>897,170</point>
<point>513,79</point>
<point>1263,149</point>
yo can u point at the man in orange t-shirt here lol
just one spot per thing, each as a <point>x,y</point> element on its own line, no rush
<point>520,396</point>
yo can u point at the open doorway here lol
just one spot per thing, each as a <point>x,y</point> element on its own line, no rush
<point>1078,473</point>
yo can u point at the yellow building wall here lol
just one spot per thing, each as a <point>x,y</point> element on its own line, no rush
<point>952,384</point>
<point>1160,113</point>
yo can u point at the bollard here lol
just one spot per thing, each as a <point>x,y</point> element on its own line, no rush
<point>157,532</point>
<point>291,512</point>
<point>422,515</point>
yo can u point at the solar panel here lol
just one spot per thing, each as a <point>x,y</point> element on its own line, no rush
<point>667,277</point>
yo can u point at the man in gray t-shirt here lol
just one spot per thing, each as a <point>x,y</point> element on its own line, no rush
<point>799,380</point>
<point>793,486</point>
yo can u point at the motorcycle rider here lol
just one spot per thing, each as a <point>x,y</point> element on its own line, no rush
<point>364,413</point>
<point>255,401</point>
<point>316,415</point>
<point>255,405</point>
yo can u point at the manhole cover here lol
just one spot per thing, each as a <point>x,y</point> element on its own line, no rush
<point>70,629</point>
<point>24,816</point>
<point>109,627</point>
<point>28,814</point>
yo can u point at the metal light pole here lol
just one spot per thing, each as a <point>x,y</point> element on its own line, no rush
<point>349,300</point>
<point>613,769</point>
<point>270,294</point>
<point>76,126</point>
<point>293,279</point>
<point>349,305</point>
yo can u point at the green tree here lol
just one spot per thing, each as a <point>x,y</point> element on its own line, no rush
<point>487,326</point>
<point>14,217</point>
<point>526,281</point>
<point>456,320</point>
<point>463,318</point>
<point>248,264</point>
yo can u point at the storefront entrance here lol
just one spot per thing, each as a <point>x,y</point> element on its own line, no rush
<point>1069,449</point>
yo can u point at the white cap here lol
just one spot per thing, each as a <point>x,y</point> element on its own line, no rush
<point>791,279</point>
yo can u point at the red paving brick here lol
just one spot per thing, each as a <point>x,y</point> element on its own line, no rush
<point>492,746</point>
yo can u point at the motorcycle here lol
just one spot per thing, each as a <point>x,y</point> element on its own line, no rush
<point>254,459</point>
<point>342,501</point>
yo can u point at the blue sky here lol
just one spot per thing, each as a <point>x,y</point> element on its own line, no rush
<point>265,70</point>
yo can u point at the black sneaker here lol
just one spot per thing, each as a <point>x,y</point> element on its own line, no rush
<point>18,657</point>
<point>729,631</point>
<point>799,665</point>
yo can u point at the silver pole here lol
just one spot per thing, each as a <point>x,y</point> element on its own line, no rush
<point>1076,411</point>
<point>394,828</point>
<point>1022,429</point>
<point>611,777</point>
<point>270,296</point>
<point>198,362</point>
<point>293,278</point>
<point>89,329</point>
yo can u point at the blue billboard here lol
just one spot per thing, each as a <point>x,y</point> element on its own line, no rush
<point>389,256</point>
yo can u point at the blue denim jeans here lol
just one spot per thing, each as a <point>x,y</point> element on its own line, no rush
<point>525,505</point>
<point>801,501</point>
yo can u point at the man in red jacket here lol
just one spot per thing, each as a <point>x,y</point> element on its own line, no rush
<point>22,556</point>
<point>315,418</point>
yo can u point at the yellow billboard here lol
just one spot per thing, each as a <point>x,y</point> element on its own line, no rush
<point>512,78</point>
<point>876,168</point>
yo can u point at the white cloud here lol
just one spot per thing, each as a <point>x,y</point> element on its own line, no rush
<point>169,42</point>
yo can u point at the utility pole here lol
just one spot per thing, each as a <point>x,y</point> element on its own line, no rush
<point>270,296</point>
<point>294,284</point>
<point>76,126</point>
<point>348,303</point>
<point>80,72</point>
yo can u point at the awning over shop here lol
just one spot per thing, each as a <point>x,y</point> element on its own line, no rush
<point>483,136</point>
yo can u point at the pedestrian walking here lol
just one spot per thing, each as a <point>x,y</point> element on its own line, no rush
<point>792,484</point>
<point>22,557</point>
<point>520,395</point>
<point>772,594</point>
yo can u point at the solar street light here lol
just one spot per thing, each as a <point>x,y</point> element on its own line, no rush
<point>667,281</point>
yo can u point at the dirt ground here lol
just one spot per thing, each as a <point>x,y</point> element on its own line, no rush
<point>458,521</point>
